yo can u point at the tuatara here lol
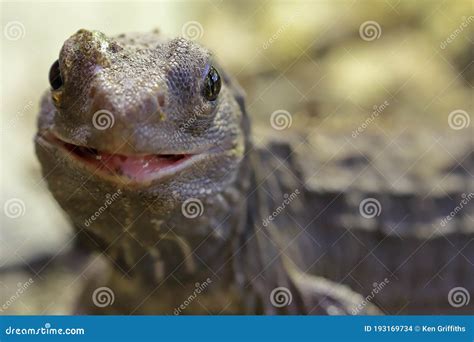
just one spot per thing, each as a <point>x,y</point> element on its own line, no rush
<point>145,142</point>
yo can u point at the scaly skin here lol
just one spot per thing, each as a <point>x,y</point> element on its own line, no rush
<point>153,92</point>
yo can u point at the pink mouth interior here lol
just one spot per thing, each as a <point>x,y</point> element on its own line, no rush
<point>139,167</point>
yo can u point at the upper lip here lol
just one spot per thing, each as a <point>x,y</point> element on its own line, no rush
<point>130,168</point>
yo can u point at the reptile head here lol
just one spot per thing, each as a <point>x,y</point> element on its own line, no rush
<point>140,112</point>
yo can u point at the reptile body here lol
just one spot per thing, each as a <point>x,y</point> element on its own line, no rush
<point>191,200</point>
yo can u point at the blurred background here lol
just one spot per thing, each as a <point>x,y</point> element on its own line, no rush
<point>344,70</point>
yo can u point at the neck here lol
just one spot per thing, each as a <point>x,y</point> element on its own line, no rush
<point>188,249</point>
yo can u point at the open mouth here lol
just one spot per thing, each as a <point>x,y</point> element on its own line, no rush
<point>136,168</point>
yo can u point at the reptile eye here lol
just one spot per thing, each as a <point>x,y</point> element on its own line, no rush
<point>55,76</point>
<point>212,84</point>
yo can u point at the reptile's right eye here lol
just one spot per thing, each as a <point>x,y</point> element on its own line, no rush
<point>55,76</point>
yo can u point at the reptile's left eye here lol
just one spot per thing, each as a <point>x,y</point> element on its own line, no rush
<point>212,84</point>
<point>55,76</point>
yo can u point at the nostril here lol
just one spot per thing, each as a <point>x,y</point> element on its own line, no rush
<point>161,100</point>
